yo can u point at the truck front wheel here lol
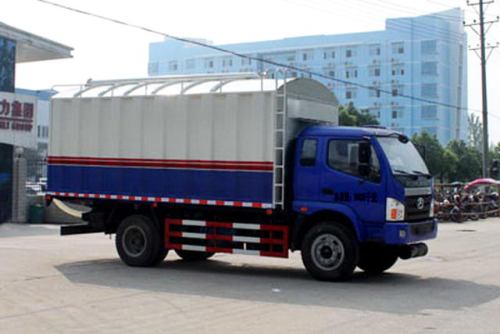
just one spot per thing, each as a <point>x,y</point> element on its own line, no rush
<point>375,259</point>
<point>330,252</point>
<point>139,242</point>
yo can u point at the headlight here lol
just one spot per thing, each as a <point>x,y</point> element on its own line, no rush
<point>394,210</point>
<point>431,213</point>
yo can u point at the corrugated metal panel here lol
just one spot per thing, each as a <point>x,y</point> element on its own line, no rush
<point>211,146</point>
<point>233,127</point>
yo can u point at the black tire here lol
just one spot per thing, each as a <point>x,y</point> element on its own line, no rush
<point>375,259</point>
<point>162,254</point>
<point>139,242</point>
<point>193,256</point>
<point>330,252</point>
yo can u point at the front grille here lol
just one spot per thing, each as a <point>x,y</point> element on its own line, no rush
<point>412,212</point>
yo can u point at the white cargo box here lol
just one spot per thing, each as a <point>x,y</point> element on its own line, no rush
<point>216,140</point>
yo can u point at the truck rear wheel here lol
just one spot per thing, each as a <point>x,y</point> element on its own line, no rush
<point>193,255</point>
<point>139,242</point>
<point>330,252</point>
<point>375,259</point>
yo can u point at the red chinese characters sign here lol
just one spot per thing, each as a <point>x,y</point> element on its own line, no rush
<point>17,119</point>
<point>16,115</point>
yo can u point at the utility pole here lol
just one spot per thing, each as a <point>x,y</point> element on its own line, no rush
<point>484,58</point>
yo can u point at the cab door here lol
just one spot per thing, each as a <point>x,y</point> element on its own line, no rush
<point>349,181</point>
<point>306,174</point>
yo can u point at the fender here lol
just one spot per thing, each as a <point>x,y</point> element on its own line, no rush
<point>310,208</point>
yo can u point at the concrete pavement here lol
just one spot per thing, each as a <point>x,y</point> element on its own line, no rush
<point>77,284</point>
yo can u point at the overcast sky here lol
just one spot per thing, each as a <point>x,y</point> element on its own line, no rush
<point>104,50</point>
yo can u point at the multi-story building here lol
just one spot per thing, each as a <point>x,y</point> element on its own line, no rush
<point>412,76</point>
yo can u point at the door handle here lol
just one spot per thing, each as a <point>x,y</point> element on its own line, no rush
<point>327,191</point>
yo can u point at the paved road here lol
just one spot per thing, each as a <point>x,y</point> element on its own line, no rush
<point>77,284</point>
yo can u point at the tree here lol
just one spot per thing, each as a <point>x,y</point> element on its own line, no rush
<point>450,162</point>
<point>350,116</point>
<point>468,166</point>
<point>432,152</point>
<point>475,132</point>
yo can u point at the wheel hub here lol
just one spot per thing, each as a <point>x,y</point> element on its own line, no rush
<point>327,252</point>
<point>134,241</point>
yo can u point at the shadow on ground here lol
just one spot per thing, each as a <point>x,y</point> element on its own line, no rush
<point>390,292</point>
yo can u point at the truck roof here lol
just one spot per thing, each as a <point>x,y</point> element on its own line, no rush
<point>323,130</point>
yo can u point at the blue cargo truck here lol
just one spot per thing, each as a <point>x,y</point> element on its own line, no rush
<point>237,164</point>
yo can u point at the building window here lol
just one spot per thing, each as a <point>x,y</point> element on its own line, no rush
<point>350,93</point>
<point>429,68</point>
<point>304,56</point>
<point>209,63</point>
<point>246,61</point>
<point>350,52</point>
<point>397,113</point>
<point>374,71</point>
<point>374,50</point>
<point>374,111</point>
<point>172,65</point>
<point>328,53</point>
<point>398,48</point>
<point>42,131</point>
<point>331,74</point>
<point>397,90</point>
<point>429,90</point>
<point>374,91</point>
<point>429,47</point>
<point>398,70</point>
<point>351,73</point>
<point>227,62</point>
<point>429,111</point>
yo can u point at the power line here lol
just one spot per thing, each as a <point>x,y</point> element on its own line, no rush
<point>257,59</point>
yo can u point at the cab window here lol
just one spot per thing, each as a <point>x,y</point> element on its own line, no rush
<point>308,152</point>
<point>343,157</point>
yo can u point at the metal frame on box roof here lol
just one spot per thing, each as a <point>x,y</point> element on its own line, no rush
<point>172,85</point>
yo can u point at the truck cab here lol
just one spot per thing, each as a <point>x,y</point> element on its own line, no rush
<point>372,180</point>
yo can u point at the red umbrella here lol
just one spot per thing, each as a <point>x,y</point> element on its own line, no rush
<point>481,181</point>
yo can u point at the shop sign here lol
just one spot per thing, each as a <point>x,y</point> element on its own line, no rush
<point>18,120</point>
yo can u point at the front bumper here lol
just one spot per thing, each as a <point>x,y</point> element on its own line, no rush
<point>401,233</point>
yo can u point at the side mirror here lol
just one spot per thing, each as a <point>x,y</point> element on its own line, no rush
<point>364,158</point>
<point>364,153</point>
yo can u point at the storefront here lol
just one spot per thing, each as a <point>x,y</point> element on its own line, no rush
<point>18,125</point>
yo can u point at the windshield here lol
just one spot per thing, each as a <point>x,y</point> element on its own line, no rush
<point>403,157</point>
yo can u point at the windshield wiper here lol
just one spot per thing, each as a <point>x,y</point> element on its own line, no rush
<point>405,173</point>
<point>422,173</point>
